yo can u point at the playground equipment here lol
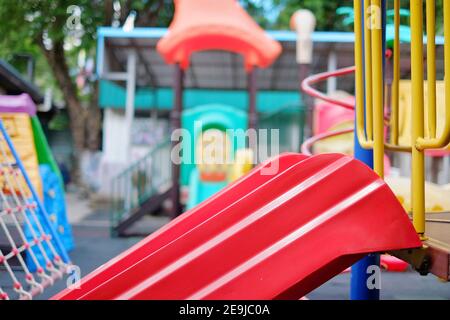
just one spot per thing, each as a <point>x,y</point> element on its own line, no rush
<point>20,130</point>
<point>333,132</point>
<point>405,114</point>
<point>222,25</point>
<point>292,195</point>
<point>18,114</point>
<point>371,121</point>
<point>209,149</point>
<point>239,217</point>
<point>204,26</point>
<point>303,22</point>
<point>35,256</point>
<point>143,187</point>
<point>329,117</point>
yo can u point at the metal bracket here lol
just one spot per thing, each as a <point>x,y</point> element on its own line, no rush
<point>418,258</point>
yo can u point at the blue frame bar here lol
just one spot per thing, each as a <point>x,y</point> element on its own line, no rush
<point>359,289</point>
<point>157,33</point>
<point>59,245</point>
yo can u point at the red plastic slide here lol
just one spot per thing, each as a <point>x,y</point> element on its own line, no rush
<point>274,236</point>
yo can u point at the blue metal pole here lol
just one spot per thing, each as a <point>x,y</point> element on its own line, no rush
<point>359,289</point>
<point>361,273</point>
<point>55,237</point>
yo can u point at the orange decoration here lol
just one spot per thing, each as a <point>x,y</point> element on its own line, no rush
<point>201,25</point>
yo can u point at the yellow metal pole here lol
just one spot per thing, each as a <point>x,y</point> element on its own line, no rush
<point>446,134</point>
<point>417,74</point>
<point>444,139</point>
<point>359,78</point>
<point>378,88</point>
<point>431,66</point>
<point>368,69</point>
<point>396,77</point>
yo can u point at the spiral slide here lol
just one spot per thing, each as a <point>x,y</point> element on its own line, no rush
<point>282,230</point>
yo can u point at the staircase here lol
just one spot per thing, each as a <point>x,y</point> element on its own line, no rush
<point>140,189</point>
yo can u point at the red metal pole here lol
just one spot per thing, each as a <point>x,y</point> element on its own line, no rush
<point>307,86</point>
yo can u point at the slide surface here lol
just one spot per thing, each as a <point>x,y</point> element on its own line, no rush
<point>266,236</point>
<point>44,152</point>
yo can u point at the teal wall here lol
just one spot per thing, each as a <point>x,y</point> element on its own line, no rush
<point>114,96</point>
<point>217,116</point>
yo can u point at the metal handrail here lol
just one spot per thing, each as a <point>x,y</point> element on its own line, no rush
<point>442,141</point>
<point>308,144</point>
<point>307,87</point>
<point>369,68</point>
<point>369,86</point>
<point>135,164</point>
<point>142,179</point>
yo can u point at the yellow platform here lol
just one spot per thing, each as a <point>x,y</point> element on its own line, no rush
<point>437,197</point>
<point>405,110</point>
<point>18,126</point>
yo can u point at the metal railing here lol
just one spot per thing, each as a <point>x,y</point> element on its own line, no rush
<point>370,90</point>
<point>146,177</point>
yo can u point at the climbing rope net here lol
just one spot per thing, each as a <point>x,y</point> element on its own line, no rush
<point>30,253</point>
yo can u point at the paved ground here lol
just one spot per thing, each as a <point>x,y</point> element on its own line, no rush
<point>78,207</point>
<point>95,247</point>
<point>394,286</point>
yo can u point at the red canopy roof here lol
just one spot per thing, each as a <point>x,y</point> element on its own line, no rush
<point>201,25</point>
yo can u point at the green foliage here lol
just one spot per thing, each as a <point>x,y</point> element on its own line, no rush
<point>324,10</point>
<point>59,122</point>
<point>439,13</point>
<point>258,11</point>
<point>29,26</point>
<point>25,23</point>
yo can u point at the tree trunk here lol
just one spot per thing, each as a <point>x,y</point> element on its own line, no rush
<point>56,59</point>
<point>109,12</point>
<point>93,121</point>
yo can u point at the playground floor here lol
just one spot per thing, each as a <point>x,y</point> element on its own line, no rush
<point>95,247</point>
